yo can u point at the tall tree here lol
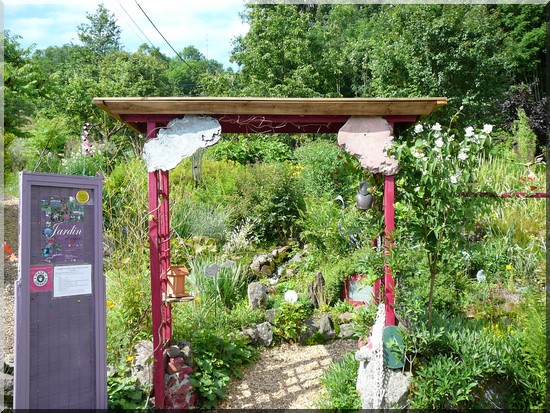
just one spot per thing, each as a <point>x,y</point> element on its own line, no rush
<point>101,34</point>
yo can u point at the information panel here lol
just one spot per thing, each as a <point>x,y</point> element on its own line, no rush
<point>60,343</point>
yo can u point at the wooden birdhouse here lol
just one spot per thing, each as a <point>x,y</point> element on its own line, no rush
<point>176,282</point>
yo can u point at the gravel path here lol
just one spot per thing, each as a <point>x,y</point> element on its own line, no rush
<point>11,230</point>
<point>285,377</point>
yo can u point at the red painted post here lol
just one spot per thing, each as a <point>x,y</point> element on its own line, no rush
<point>376,286</point>
<point>389,220</point>
<point>164,254</point>
<point>159,262</point>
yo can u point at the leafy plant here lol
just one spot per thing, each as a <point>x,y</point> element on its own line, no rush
<point>252,149</point>
<point>123,390</point>
<point>363,320</point>
<point>224,282</point>
<point>436,168</point>
<point>288,325</point>
<point>525,137</point>
<point>328,170</point>
<point>266,194</point>
<point>216,360</point>
<point>339,383</point>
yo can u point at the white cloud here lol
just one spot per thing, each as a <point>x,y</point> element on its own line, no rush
<point>209,25</point>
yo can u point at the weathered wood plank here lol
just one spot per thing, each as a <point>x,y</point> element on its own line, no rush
<point>269,106</point>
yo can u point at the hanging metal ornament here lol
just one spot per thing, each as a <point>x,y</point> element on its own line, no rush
<point>364,196</point>
<point>196,164</point>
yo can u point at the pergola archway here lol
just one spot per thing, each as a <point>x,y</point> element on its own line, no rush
<point>246,115</point>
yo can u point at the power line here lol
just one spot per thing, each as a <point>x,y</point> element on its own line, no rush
<point>167,42</point>
<point>126,22</point>
<point>135,24</point>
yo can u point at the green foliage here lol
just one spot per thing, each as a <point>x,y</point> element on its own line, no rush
<point>247,150</point>
<point>123,390</point>
<point>288,325</point>
<point>436,168</point>
<point>126,269</point>
<point>228,285</point>
<point>216,360</point>
<point>266,194</point>
<point>339,383</point>
<point>363,320</point>
<point>101,34</point>
<point>461,360</point>
<point>327,170</point>
<point>533,366</point>
<point>525,137</point>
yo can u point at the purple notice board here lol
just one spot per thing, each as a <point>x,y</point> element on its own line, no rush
<point>60,327</point>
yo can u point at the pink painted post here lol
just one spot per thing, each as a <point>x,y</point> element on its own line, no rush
<point>164,255</point>
<point>157,262</point>
<point>389,220</point>
<point>376,286</point>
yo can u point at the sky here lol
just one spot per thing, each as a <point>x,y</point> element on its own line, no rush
<point>209,25</point>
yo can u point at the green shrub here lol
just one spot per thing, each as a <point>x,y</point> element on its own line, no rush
<point>123,390</point>
<point>189,218</point>
<point>251,149</point>
<point>288,325</point>
<point>525,138</point>
<point>216,360</point>
<point>227,286</point>
<point>327,170</point>
<point>339,385</point>
<point>461,359</point>
<point>266,194</point>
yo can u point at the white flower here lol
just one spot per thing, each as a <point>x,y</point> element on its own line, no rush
<point>454,179</point>
<point>469,131</point>
<point>418,153</point>
<point>462,156</point>
<point>418,128</point>
<point>436,127</point>
<point>291,296</point>
<point>487,128</point>
<point>439,143</point>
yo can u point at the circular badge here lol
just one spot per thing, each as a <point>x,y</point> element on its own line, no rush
<point>40,278</point>
<point>82,197</point>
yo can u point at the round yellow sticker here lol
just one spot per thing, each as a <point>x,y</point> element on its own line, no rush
<point>82,197</point>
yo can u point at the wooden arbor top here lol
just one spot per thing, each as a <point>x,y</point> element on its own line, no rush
<point>266,115</point>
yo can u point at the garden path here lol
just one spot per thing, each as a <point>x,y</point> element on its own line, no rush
<point>285,377</point>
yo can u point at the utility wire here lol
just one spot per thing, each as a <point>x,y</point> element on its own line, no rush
<point>135,24</point>
<point>126,22</point>
<point>167,42</point>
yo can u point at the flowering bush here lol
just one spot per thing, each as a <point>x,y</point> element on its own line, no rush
<point>437,167</point>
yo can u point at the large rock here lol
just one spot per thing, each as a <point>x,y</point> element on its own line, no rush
<point>397,389</point>
<point>270,315</point>
<point>346,331</point>
<point>186,352</point>
<point>142,366</point>
<point>326,327</point>
<point>7,381</point>
<point>260,335</point>
<point>323,325</point>
<point>257,295</point>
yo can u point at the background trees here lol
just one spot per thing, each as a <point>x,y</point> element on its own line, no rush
<point>487,58</point>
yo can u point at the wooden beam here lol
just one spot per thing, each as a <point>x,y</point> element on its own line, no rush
<point>118,106</point>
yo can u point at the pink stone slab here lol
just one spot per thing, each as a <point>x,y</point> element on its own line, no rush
<point>367,138</point>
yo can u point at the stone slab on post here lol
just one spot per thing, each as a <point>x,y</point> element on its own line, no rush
<point>368,138</point>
